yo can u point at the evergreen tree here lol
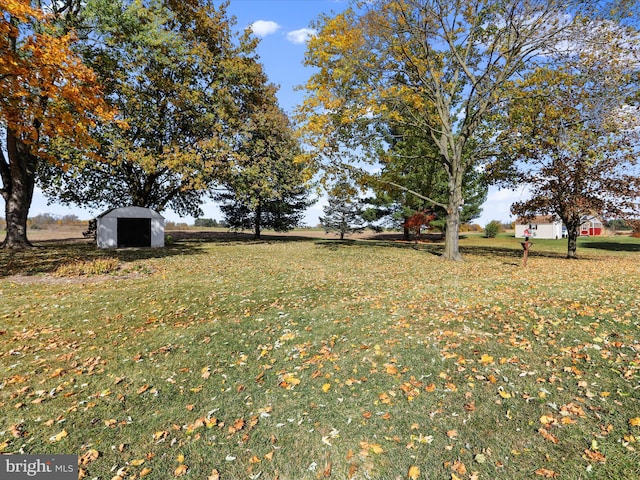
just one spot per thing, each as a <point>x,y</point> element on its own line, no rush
<point>344,211</point>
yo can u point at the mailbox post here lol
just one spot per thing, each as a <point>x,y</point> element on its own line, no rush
<point>525,245</point>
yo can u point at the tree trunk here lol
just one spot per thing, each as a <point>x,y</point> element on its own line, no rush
<point>258,218</point>
<point>572,241</point>
<point>452,233</point>
<point>18,178</point>
<point>406,234</point>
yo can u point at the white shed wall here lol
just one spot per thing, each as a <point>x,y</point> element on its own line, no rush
<point>107,226</point>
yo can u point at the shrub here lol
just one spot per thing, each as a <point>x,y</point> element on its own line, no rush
<point>99,266</point>
<point>492,229</point>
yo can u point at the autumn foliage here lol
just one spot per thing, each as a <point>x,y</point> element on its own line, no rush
<point>419,220</point>
<point>48,96</point>
<point>47,91</point>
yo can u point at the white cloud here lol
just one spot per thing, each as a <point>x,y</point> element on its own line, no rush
<point>262,28</point>
<point>301,36</point>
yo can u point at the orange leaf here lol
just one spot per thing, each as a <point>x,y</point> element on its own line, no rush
<point>546,473</point>
<point>548,435</point>
<point>595,456</point>
<point>414,472</point>
<point>215,475</point>
<point>635,422</point>
<point>459,467</point>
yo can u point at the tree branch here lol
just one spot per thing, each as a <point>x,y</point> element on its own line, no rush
<point>413,192</point>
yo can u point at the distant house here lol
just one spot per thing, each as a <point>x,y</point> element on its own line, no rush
<point>591,226</point>
<point>130,227</point>
<point>547,227</point>
<point>539,227</point>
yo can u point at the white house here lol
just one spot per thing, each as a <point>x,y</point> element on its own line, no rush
<point>539,227</point>
<point>130,227</point>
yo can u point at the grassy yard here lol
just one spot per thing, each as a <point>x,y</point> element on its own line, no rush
<point>321,359</point>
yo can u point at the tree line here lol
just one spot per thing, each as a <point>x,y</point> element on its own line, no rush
<point>418,105</point>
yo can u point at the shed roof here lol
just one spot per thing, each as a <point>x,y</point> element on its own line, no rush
<point>540,219</point>
<point>130,212</point>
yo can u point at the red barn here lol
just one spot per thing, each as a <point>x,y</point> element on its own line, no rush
<point>590,227</point>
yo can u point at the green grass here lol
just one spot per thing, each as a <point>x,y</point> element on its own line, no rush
<point>325,359</point>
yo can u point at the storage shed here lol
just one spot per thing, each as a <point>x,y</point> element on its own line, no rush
<point>130,227</point>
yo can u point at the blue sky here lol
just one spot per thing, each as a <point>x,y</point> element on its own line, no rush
<point>283,26</point>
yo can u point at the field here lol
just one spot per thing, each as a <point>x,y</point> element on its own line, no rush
<point>306,358</point>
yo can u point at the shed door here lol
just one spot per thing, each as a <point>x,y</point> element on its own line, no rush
<point>134,232</point>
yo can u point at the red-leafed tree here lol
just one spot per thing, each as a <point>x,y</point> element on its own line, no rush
<point>416,222</point>
<point>47,94</point>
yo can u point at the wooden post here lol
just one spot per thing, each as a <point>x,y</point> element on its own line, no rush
<point>525,245</point>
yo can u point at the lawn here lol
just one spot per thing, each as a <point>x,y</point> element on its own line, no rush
<point>298,359</point>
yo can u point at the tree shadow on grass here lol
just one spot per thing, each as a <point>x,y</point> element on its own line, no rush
<point>612,246</point>
<point>46,256</point>
<point>512,256</point>
<point>232,237</point>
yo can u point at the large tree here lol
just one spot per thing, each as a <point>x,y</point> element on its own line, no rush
<point>265,179</point>
<point>182,80</point>
<point>47,94</point>
<point>443,68</point>
<point>575,133</point>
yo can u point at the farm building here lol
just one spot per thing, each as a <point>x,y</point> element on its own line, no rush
<point>546,227</point>
<point>539,227</point>
<point>130,227</point>
<point>591,226</point>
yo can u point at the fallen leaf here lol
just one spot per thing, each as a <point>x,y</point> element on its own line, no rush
<point>634,422</point>
<point>414,472</point>
<point>215,475</point>
<point>59,436</point>
<point>459,467</point>
<point>504,394</point>
<point>181,470</point>
<point>326,387</point>
<point>595,456</point>
<point>546,473</point>
<point>89,456</point>
<point>548,435</point>
<point>486,359</point>
<point>145,471</point>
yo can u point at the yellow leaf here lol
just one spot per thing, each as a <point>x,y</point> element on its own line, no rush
<point>59,436</point>
<point>486,359</point>
<point>181,470</point>
<point>326,387</point>
<point>635,422</point>
<point>414,472</point>
<point>504,394</point>
<point>375,448</point>
<point>137,462</point>
<point>145,471</point>
<point>546,420</point>
<point>180,458</point>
